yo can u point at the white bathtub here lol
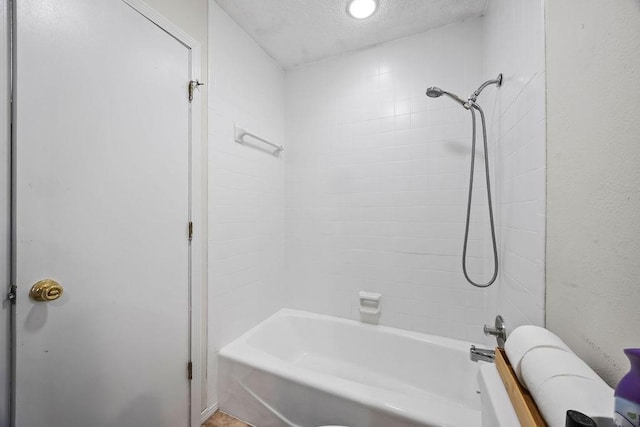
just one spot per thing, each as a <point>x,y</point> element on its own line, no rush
<point>303,369</point>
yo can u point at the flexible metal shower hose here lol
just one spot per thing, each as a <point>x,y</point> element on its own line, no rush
<point>486,171</point>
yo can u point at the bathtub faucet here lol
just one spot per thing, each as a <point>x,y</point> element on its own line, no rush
<point>485,355</point>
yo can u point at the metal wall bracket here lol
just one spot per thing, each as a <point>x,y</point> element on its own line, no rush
<point>193,84</point>
<point>13,294</point>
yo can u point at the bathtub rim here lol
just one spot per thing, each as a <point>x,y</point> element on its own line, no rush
<point>453,343</point>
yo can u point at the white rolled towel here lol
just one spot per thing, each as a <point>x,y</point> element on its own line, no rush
<point>559,394</point>
<point>543,363</point>
<point>526,338</point>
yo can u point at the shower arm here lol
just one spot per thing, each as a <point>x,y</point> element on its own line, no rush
<point>474,96</point>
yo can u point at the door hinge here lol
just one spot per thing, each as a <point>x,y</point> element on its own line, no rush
<point>193,84</point>
<point>190,370</point>
<point>190,232</point>
<point>12,295</point>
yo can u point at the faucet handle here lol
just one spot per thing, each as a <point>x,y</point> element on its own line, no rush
<point>499,331</point>
<point>488,330</point>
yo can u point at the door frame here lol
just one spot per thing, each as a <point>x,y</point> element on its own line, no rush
<point>195,184</point>
<point>195,199</point>
<point>6,309</point>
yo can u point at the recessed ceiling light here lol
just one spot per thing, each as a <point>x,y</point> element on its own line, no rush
<point>361,9</point>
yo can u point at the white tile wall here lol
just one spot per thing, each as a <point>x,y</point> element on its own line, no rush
<point>514,45</point>
<point>377,181</point>
<point>377,177</point>
<point>246,187</point>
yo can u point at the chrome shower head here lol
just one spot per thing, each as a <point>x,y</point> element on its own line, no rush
<point>436,92</point>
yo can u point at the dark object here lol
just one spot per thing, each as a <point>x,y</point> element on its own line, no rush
<point>629,386</point>
<point>627,410</point>
<point>578,419</point>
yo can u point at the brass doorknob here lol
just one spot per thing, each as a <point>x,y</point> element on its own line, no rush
<point>46,290</point>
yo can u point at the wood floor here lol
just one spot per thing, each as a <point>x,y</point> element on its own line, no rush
<point>220,419</point>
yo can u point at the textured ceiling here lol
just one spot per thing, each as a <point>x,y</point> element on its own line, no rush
<point>294,32</point>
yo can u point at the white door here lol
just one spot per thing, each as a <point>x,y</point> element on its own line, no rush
<point>102,207</point>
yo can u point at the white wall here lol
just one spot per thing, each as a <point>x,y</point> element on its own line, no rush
<point>377,180</point>
<point>246,186</point>
<point>514,45</point>
<point>377,177</point>
<point>4,215</point>
<point>593,242</point>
